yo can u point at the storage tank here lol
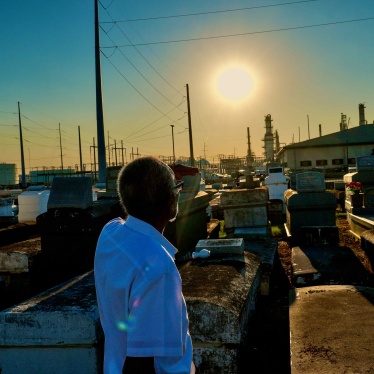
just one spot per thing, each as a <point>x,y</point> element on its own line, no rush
<point>32,203</point>
<point>7,174</point>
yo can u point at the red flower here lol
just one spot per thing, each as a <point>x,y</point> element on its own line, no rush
<point>354,187</point>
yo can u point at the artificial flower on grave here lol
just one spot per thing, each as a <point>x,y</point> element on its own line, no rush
<point>354,187</point>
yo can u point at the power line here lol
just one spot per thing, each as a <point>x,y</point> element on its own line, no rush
<point>211,12</point>
<point>137,89</point>
<point>156,120</point>
<point>158,137</point>
<point>129,139</point>
<point>142,75</point>
<point>152,67</point>
<point>245,33</point>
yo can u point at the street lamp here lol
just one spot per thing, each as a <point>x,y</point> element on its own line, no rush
<point>172,136</point>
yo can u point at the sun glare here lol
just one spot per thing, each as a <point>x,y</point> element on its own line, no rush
<point>234,83</point>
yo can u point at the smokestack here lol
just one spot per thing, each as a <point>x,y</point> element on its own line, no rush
<point>361,113</point>
<point>320,130</point>
<point>343,122</point>
<point>269,139</point>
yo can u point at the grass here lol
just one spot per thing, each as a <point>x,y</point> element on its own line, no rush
<point>222,232</point>
<point>278,230</point>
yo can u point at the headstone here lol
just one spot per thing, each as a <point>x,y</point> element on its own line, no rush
<point>249,183</point>
<point>310,205</point>
<point>310,181</point>
<point>245,208</point>
<point>365,163</point>
<point>70,192</point>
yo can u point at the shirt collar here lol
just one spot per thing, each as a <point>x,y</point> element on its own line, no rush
<point>148,230</point>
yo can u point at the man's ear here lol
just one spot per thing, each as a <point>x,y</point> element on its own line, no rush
<point>173,206</point>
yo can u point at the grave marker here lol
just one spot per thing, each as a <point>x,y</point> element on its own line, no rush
<point>310,181</point>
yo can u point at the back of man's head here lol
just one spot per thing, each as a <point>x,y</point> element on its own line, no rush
<point>145,187</point>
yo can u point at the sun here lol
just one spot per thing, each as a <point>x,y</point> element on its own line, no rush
<point>234,83</point>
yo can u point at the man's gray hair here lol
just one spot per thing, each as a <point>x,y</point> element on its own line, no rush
<point>145,188</point>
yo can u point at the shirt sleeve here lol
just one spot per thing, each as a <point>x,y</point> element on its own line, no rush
<point>155,317</point>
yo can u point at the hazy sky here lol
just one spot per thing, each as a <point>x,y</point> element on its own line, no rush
<point>241,60</point>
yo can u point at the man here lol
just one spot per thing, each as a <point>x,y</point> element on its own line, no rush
<point>138,286</point>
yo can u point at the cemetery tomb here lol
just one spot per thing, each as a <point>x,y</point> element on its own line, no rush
<point>309,205</point>
<point>361,217</point>
<point>191,223</point>
<point>331,329</point>
<point>221,316</point>
<point>277,183</point>
<point>70,228</point>
<point>326,265</point>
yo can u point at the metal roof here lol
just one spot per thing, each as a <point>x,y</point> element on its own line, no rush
<point>359,135</point>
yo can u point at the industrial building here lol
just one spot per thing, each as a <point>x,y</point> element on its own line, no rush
<point>336,151</point>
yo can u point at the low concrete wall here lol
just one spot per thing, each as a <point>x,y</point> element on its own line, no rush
<point>59,330</point>
<point>56,332</point>
<point>367,244</point>
<point>360,222</point>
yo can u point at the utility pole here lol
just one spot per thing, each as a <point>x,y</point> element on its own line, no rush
<point>23,175</point>
<point>62,163</point>
<point>172,136</point>
<point>99,101</point>
<point>249,152</point>
<point>108,148</point>
<point>123,161</point>
<point>192,158</point>
<point>93,146</point>
<point>308,127</point>
<point>80,148</point>
<point>115,150</point>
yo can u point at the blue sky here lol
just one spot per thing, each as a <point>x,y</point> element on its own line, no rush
<point>300,70</point>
